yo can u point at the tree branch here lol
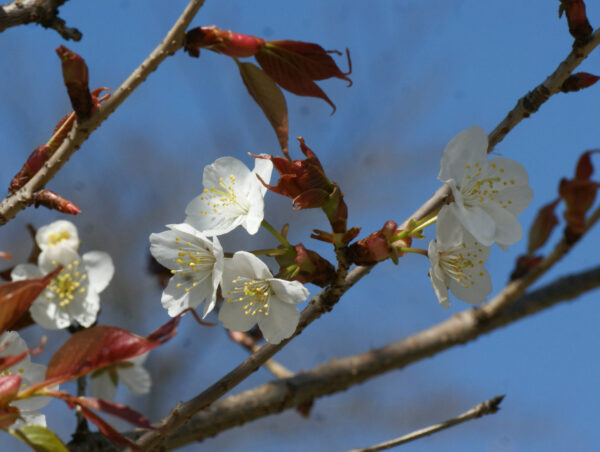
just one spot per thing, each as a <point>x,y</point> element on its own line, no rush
<point>488,407</point>
<point>43,12</point>
<point>342,373</point>
<point>16,202</point>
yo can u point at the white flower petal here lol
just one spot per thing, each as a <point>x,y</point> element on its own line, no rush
<point>101,385</point>
<point>100,269</point>
<point>436,276</point>
<point>59,233</point>
<point>136,378</point>
<point>263,168</point>
<point>466,148</point>
<point>477,221</point>
<point>247,265</point>
<point>473,293</point>
<point>281,322</point>
<point>232,316</point>
<point>85,310</point>
<point>49,315</point>
<point>224,167</point>
<point>289,291</point>
<point>515,199</point>
<point>508,228</point>
<point>24,271</point>
<point>211,223</point>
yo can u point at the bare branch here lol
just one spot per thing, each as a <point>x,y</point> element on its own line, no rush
<point>16,202</point>
<point>343,373</point>
<point>43,12</point>
<point>488,407</point>
<point>527,105</point>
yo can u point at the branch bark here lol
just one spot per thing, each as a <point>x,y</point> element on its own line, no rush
<point>16,202</point>
<point>343,373</point>
<point>484,408</point>
<point>43,12</point>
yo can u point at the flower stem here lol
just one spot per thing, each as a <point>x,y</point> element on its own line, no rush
<point>413,250</point>
<point>420,225</point>
<point>276,234</point>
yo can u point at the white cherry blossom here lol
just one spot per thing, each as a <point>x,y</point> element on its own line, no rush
<point>232,196</point>
<point>457,263</point>
<point>196,264</point>
<point>74,293</point>
<point>30,373</point>
<point>103,382</point>
<point>58,233</point>
<point>488,194</point>
<point>253,296</point>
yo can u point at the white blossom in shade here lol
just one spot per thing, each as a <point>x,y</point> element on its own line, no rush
<point>488,194</point>
<point>30,373</point>
<point>58,233</point>
<point>74,293</point>
<point>253,296</point>
<point>103,382</point>
<point>232,196</point>
<point>196,264</point>
<point>457,263</point>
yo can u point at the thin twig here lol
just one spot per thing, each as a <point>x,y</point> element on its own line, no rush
<point>16,202</point>
<point>342,373</point>
<point>43,12</point>
<point>488,407</point>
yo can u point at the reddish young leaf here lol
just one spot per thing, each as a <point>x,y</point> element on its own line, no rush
<point>294,65</point>
<point>34,162</point>
<point>577,81</point>
<point>579,195</point>
<point>17,296</point>
<point>75,75</point>
<point>542,226</point>
<point>51,200</point>
<point>301,264</point>
<point>269,98</point>
<point>579,27</point>
<point>5,255</point>
<point>100,346</point>
<point>221,41</point>
<point>9,387</point>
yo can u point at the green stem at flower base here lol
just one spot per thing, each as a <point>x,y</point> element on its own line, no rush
<point>270,252</point>
<point>420,225</point>
<point>412,250</point>
<point>276,234</point>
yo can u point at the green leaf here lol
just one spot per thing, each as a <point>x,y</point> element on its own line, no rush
<point>39,438</point>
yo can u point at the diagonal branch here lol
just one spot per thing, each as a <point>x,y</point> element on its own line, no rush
<point>43,12</point>
<point>16,202</point>
<point>343,373</point>
<point>484,408</point>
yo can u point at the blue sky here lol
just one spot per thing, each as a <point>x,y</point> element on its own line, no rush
<point>423,71</point>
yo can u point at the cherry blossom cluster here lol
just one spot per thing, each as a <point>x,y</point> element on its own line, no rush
<point>233,196</point>
<point>73,299</point>
<point>487,196</point>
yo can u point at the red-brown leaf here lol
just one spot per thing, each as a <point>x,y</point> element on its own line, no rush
<point>578,81</point>
<point>294,65</point>
<point>51,200</point>
<point>101,346</point>
<point>269,98</point>
<point>17,296</point>
<point>542,226</point>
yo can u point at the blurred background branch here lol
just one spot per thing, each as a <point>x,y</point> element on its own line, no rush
<point>42,12</point>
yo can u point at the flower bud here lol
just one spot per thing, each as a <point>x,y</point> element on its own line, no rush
<point>579,27</point>
<point>578,81</point>
<point>378,246</point>
<point>54,201</point>
<point>75,75</point>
